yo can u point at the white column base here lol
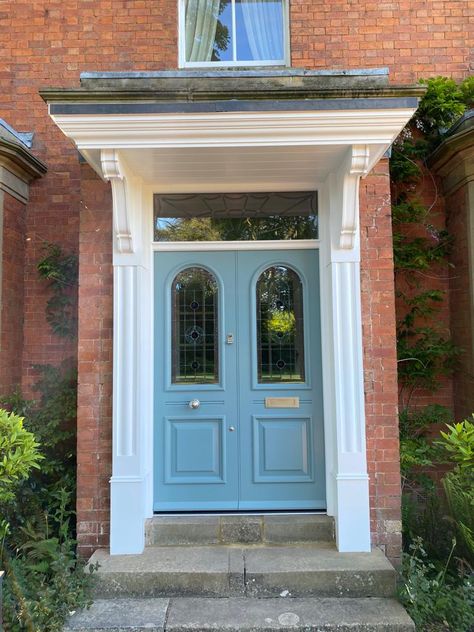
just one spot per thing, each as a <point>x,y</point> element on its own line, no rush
<point>352,517</point>
<point>127,515</point>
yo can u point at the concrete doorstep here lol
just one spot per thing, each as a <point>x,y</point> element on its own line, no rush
<point>242,614</point>
<point>308,587</point>
<point>316,570</point>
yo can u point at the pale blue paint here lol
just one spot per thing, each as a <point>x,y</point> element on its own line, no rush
<point>275,458</point>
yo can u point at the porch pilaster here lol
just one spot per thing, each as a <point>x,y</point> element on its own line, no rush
<point>131,383</point>
<point>348,483</point>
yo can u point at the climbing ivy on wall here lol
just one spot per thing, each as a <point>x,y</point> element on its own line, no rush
<point>61,270</point>
<point>421,249</point>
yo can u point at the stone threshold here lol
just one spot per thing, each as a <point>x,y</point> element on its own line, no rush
<point>252,528</point>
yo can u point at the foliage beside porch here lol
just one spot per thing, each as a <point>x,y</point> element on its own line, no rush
<point>437,573</point>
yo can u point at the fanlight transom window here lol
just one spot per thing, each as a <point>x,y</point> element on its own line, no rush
<point>233,32</point>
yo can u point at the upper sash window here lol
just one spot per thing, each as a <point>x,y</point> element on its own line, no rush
<point>233,32</point>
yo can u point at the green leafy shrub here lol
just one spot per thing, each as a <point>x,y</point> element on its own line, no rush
<point>52,419</point>
<point>460,498</point>
<point>423,507</point>
<point>458,446</point>
<point>436,600</point>
<point>18,454</point>
<point>467,91</point>
<point>442,104</point>
<point>44,579</point>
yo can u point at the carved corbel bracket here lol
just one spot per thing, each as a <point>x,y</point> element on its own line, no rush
<point>356,166</point>
<point>112,170</point>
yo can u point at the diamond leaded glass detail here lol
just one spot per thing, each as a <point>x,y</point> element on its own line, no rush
<point>280,334</point>
<point>195,344</point>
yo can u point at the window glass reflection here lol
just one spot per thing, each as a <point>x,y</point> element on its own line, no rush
<point>212,25</point>
<point>280,327</point>
<point>236,217</point>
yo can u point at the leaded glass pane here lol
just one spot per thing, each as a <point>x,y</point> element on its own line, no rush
<point>280,333</point>
<point>195,339</point>
<point>235,216</point>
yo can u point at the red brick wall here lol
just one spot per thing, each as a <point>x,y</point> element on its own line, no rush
<point>428,192</point>
<point>49,42</point>
<point>380,359</point>
<point>94,436</point>
<point>414,38</point>
<point>12,293</point>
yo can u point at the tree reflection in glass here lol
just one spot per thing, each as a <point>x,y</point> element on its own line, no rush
<point>236,217</point>
<point>280,327</point>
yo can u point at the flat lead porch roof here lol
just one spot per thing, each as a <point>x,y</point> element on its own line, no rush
<point>231,133</point>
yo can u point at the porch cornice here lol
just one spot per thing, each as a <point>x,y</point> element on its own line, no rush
<point>20,161</point>
<point>220,89</point>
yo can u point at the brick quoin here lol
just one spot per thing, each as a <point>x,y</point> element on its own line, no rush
<point>12,291</point>
<point>48,43</point>
<point>380,359</point>
<point>94,432</point>
<point>461,310</point>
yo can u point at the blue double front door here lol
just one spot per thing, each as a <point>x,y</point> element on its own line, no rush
<point>238,394</point>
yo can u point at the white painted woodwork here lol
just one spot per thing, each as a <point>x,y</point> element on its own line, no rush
<point>234,129</point>
<point>269,244</point>
<point>343,378</point>
<point>113,171</point>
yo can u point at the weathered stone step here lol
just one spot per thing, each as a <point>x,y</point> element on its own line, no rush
<point>243,615</point>
<point>238,529</point>
<point>255,571</point>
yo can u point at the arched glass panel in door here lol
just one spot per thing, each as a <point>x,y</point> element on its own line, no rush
<point>195,327</point>
<point>280,327</point>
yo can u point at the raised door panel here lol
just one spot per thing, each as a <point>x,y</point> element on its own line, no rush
<point>195,450</point>
<point>196,457</point>
<point>281,414</point>
<point>282,449</point>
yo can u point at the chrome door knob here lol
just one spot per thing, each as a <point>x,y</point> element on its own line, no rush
<point>194,403</point>
<point>231,428</point>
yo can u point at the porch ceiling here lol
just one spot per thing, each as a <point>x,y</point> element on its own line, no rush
<point>233,169</point>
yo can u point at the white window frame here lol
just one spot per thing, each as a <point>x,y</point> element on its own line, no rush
<point>231,64</point>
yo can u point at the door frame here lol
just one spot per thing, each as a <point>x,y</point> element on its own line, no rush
<point>347,491</point>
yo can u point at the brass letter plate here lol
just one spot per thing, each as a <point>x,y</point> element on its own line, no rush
<point>282,402</point>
